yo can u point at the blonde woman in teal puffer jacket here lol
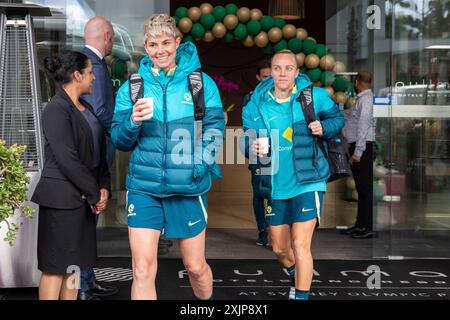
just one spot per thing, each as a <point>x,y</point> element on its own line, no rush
<point>170,170</point>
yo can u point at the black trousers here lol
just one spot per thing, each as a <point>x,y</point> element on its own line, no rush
<point>363,175</point>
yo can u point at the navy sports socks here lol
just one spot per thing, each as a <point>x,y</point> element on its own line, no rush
<point>291,271</point>
<point>301,295</point>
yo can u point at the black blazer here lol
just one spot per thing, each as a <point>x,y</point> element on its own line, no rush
<point>69,178</point>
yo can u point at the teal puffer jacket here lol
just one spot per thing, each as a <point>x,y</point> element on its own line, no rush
<point>165,158</point>
<point>327,112</point>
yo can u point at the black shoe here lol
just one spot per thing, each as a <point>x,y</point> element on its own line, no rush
<point>166,242</point>
<point>101,290</point>
<point>162,250</point>
<point>351,230</point>
<point>87,295</point>
<point>364,234</point>
<point>262,239</point>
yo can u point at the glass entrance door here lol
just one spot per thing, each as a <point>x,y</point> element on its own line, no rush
<point>406,45</point>
<point>412,172</point>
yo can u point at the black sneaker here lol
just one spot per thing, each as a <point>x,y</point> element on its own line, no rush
<point>351,230</point>
<point>162,250</point>
<point>165,242</point>
<point>262,239</point>
<point>364,234</point>
<point>101,290</point>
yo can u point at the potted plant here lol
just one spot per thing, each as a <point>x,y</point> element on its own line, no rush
<point>13,188</point>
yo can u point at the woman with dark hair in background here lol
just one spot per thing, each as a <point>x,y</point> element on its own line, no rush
<point>75,181</point>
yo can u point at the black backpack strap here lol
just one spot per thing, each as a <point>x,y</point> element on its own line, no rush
<point>307,103</point>
<point>195,83</point>
<point>198,95</point>
<point>136,84</point>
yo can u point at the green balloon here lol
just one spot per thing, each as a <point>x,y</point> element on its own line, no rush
<point>219,13</point>
<point>229,37</point>
<point>181,12</point>
<point>197,31</point>
<point>295,45</point>
<point>309,46</point>
<point>278,22</point>
<point>266,23</point>
<point>351,89</point>
<point>327,78</point>
<point>280,45</point>
<point>231,8</point>
<point>240,32</point>
<point>314,74</point>
<point>208,21</point>
<point>253,27</point>
<point>341,84</point>
<point>303,69</point>
<point>268,49</point>
<point>187,38</point>
<point>176,19</point>
<point>321,50</point>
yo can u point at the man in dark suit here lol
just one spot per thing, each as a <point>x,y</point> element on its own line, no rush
<point>99,41</point>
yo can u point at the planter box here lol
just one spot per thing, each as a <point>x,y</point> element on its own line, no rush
<point>18,264</point>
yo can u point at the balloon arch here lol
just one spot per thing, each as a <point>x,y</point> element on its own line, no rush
<point>252,28</point>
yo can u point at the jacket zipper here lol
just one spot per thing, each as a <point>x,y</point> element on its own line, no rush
<point>163,171</point>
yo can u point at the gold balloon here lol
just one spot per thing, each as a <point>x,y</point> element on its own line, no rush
<point>289,31</point>
<point>109,59</point>
<point>185,25</point>
<point>194,14</point>
<point>302,34</point>
<point>206,8</point>
<point>275,34</point>
<point>350,183</point>
<point>312,61</point>
<point>339,67</point>
<point>350,102</point>
<point>300,59</point>
<point>230,21</point>
<point>317,84</point>
<point>243,14</point>
<point>311,38</point>
<point>256,14</point>
<point>248,42</point>
<point>208,37</point>
<point>327,62</point>
<point>330,91</point>
<point>340,97</point>
<point>219,30</point>
<point>261,39</point>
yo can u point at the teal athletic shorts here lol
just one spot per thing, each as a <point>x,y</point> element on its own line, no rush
<point>175,217</point>
<point>304,207</point>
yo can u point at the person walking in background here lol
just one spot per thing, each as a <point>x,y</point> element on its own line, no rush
<point>166,194</point>
<point>262,72</point>
<point>99,41</point>
<point>75,182</point>
<point>294,184</point>
<point>360,133</point>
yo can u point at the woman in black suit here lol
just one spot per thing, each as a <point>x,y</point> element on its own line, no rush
<point>75,181</point>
